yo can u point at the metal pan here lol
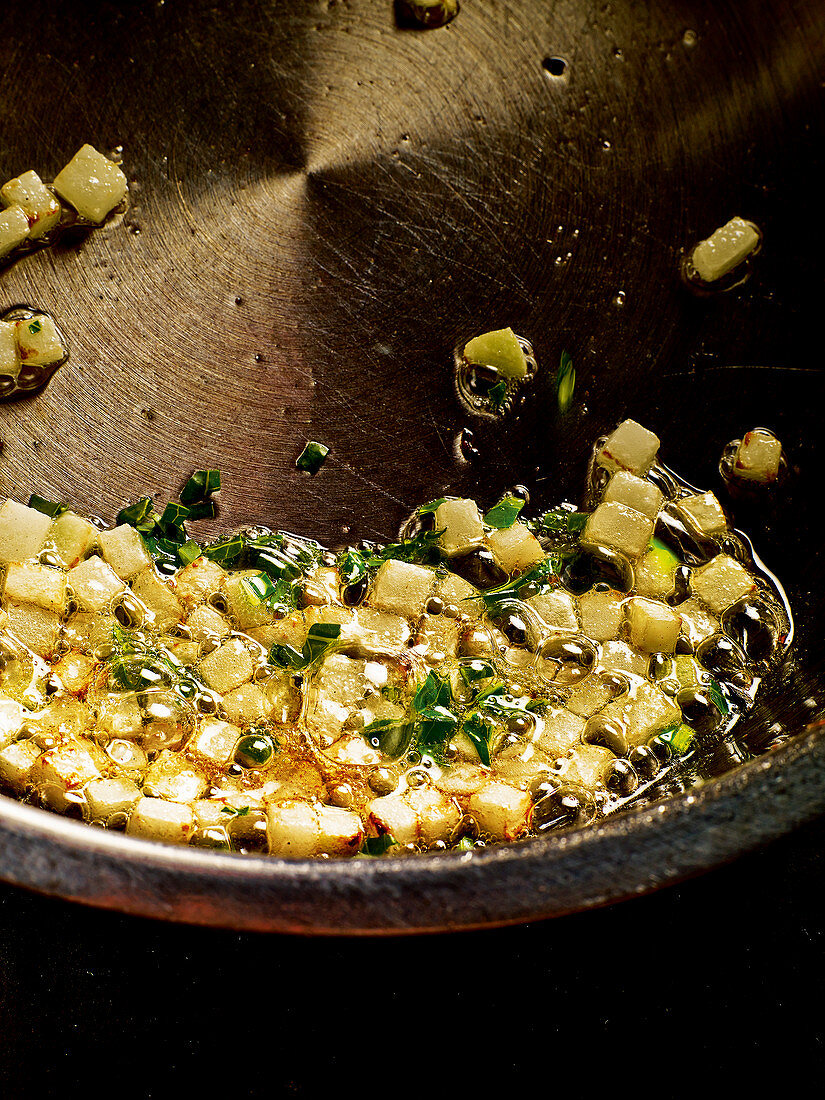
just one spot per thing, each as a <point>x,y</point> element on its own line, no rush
<point>322,205</point>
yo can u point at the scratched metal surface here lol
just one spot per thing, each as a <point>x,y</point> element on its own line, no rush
<point>323,204</point>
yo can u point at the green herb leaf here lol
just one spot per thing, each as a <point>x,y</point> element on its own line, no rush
<point>189,552</point>
<point>200,487</point>
<point>226,551</point>
<point>389,736</point>
<point>321,637</point>
<point>231,811</point>
<point>505,513</point>
<point>429,508</point>
<point>378,845</point>
<point>47,507</point>
<point>172,520</point>
<point>352,567</point>
<point>312,457</point>
<point>565,382</point>
<point>559,521</point>
<point>497,394</point>
<point>141,515</point>
<point>478,730</point>
<point>474,671</point>
<point>544,573</point>
<point>207,509</point>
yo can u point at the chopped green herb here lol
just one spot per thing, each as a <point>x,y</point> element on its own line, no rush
<point>226,551</point>
<point>190,551</point>
<point>505,513</point>
<point>544,574</point>
<point>35,326</point>
<point>429,508</point>
<point>172,520</point>
<point>679,738</point>
<point>207,509</point>
<point>141,515</point>
<point>497,394</point>
<point>474,671</point>
<point>312,457</point>
<point>478,730</point>
<point>200,486</point>
<point>243,811</point>
<point>559,521</point>
<point>136,666</point>
<point>377,845</point>
<point>320,639</point>
<point>565,382</point>
<point>47,507</point>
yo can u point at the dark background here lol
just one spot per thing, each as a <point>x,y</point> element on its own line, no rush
<point>716,982</point>
<point>321,207</point>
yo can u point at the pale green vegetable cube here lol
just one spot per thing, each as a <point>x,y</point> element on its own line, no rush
<point>118,716</point>
<point>229,666</point>
<point>454,590</point>
<point>124,549</point>
<point>300,830</point>
<point>197,581</point>
<point>95,584</point>
<point>617,527</point>
<point>702,514</point>
<point>63,771</point>
<point>697,622</point>
<point>372,632</point>
<point>154,594</point>
<point>36,627</point>
<point>556,608</point>
<point>618,656</point>
<point>38,341</point>
<point>402,588</point>
<point>724,249</point>
<point>758,457</point>
<point>630,447</point>
<point>559,730</point>
<point>173,777</point>
<point>721,582</point>
<point>41,208</point>
<point>586,766</point>
<point>207,624</point>
<point>499,349</point>
<point>588,697</point>
<point>642,713</point>
<point>418,815</point>
<point>247,704</point>
<point>9,353</point>
<point>653,627</point>
<point>461,526</point>
<point>22,531</point>
<point>515,548</point>
<point>16,763</point>
<point>92,183</point>
<point>500,810</point>
<point>75,671</point>
<point>245,605</point>
<point>214,742</point>
<point>352,749</point>
<point>439,636</point>
<point>634,492</point>
<point>37,584</point>
<point>12,718</point>
<point>656,572</point>
<point>107,797</point>
<point>14,229</point>
<point>602,614</point>
<point>72,537</point>
<point>156,819</point>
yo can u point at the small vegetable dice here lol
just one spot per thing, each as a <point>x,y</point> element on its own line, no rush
<point>721,582</point>
<point>630,447</point>
<point>653,626</point>
<point>724,249</point>
<point>616,527</point>
<point>92,183</point>
<point>38,341</point>
<point>758,457</point>
<point>14,229</point>
<point>702,513</point>
<point>634,492</point>
<point>461,526</point>
<point>36,201</point>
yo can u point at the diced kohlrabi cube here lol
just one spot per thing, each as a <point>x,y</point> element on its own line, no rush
<point>92,183</point>
<point>630,447</point>
<point>702,513</point>
<point>14,229</point>
<point>22,531</point>
<point>461,526</point>
<point>634,492</point>
<point>758,457</point>
<point>35,200</point>
<point>515,548</point>
<point>616,527</point>
<point>9,354</point>
<point>724,250</point>
<point>38,341</point>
